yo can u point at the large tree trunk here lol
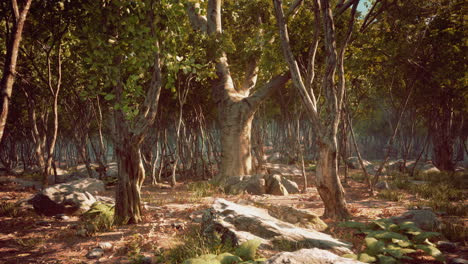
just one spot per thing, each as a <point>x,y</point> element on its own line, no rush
<point>236,154</point>
<point>9,68</point>
<point>328,181</point>
<point>131,177</point>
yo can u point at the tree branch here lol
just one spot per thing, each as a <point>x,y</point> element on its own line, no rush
<point>266,90</point>
<point>198,21</point>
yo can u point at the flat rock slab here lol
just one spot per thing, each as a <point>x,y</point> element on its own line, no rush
<point>309,256</point>
<point>240,223</point>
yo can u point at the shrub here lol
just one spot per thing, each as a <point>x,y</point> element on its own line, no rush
<point>9,209</point>
<point>391,195</point>
<point>387,242</point>
<point>203,189</point>
<point>99,218</point>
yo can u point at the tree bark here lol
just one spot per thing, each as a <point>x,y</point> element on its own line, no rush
<point>9,69</point>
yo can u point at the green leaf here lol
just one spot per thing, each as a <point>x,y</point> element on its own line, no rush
<point>350,256</point>
<point>248,249</point>
<point>366,258</point>
<point>381,234</point>
<point>431,250</point>
<point>425,235</point>
<point>374,246</point>
<point>386,259</point>
<point>109,97</point>
<point>402,243</point>
<point>355,225</point>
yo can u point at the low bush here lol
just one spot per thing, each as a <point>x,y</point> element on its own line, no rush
<point>387,242</point>
<point>9,209</point>
<point>99,218</point>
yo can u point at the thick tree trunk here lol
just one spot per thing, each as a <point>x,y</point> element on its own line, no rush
<point>131,177</point>
<point>236,154</point>
<point>328,181</point>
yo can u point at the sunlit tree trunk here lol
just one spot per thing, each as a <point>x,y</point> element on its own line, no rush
<point>9,67</point>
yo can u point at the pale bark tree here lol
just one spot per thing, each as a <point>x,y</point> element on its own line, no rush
<point>9,68</point>
<point>333,87</point>
<point>236,106</point>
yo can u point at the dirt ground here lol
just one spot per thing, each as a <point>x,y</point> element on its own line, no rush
<point>30,238</point>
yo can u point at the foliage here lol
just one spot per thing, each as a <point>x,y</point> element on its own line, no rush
<point>245,253</point>
<point>203,189</point>
<point>387,242</point>
<point>9,209</point>
<point>392,195</point>
<point>192,244</point>
<point>99,218</point>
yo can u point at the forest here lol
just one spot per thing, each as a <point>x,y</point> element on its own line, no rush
<point>233,131</point>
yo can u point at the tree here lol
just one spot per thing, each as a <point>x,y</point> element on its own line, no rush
<point>9,68</point>
<point>325,122</point>
<point>235,105</point>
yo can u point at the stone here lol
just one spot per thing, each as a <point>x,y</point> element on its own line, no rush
<point>274,157</point>
<point>428,168</point>
<point>424,219</point>
<point>106,246</point>
<point>6,198</point>
<point>297,217</point>
<point>250,184</point>
<point>290,186</point>
<point>447,246</point>
<point>458,261</point>
<point>383,185</point>
<point>309,256</point>
<point>61,199</point>
<point>274,185</point>
<point>353,163</point>
<point>90,185</point>
<point>61,217</point>
<point>394,165</point>
<point>95,253</point>
<point>238,223</point>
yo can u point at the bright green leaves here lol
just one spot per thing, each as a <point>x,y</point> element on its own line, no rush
<point>388,242</point>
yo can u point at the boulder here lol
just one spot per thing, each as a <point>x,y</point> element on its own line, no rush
<point>95,253</point>
<point>353,163</point>
<point>261,184</point>
<point>238,223</point>
<point>61,199</point>
<point>290,186</point>
<point>394,165</point>
<point>383,185</point>
<point>274,185</point>
<point>299,217</point>
<point>309,256</point>
<point>428,168</point>
<point>90,185</point>
<point>423,218</point>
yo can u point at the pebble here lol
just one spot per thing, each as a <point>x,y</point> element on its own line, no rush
<point>447,246</point>
<point>105,246</point>
<point>458,261</point>
<point>61,217</point>
<point>95,253</point>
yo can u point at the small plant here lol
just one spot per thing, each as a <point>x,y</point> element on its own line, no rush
<point>193,244</point>
<point>202,189</point>
<point>387,242</point>
<point>99,218</point>
<point>391,195</point>
<point>245,253</point>
<point>9,209</point>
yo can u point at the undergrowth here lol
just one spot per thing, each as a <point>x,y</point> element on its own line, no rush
<point>99,218</point>
<point>9,209</point>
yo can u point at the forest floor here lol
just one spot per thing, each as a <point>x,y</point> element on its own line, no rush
<point>30,238</point>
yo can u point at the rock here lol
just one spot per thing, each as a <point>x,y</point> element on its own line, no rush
<point>458,261</point>
<point>395,165</point>
<point>459,169</point>
<point>238,223</point>
<point>105,199</point>
<point>428,168</point>
<point>61,199</point>
<point>383,185</point>
<point>6,198</point>
<point>309,256</point>
<point>298,217</point>
<point>424,219</point>
<point>61,217</point>
<point>290,186</point>
<point>274,157</point>
<point>250,184</point>
<point>353,163</point>
<point>95,253</point>
<point>106,246</point>
<point>274,185</point>
<point>90,185</point>
<point>447,246</point>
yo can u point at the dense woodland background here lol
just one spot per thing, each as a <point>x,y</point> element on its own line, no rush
<point>175,90</point>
